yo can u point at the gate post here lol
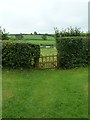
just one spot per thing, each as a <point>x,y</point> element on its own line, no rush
<point>57,61</point>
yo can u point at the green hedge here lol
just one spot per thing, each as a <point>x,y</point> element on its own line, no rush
<point>72,52</point>
<point>20,55</point>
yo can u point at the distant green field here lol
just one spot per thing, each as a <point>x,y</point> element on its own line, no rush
<point>32,37</point>
<point>51,51</point>
<point>36,37</point>
<point>45,42</point>
<point>37,41</point>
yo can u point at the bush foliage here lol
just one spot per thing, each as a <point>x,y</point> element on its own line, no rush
<point>20,55</point>
<point>19,36</point>
<point>72,31</point>
<point>3,34</point>
<point>44,37</point>
<point>72,52</point>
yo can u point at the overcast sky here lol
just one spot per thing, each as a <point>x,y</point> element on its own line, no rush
<point>26,16</point>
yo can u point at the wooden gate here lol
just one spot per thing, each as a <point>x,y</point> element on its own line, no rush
<point>49,61</point>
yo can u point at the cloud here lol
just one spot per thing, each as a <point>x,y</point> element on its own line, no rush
<point>42,15</point>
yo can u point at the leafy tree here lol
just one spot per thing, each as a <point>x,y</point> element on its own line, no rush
<point>35,33</point>
<point>70,31</point>
<point>0,33</point>
<point>19,36</point>
<point>44,37</point>
<point>3,34</point>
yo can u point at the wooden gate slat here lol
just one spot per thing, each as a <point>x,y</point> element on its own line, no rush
<point>49,61</point>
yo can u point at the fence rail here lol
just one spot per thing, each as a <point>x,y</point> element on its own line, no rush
<point>49,61</point>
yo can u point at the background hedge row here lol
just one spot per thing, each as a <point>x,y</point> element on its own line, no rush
<point>20,55</point>
<point>72,52</point>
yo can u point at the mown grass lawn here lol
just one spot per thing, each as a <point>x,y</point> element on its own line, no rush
<point>45,93</point>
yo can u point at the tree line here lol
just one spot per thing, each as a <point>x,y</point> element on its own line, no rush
<point>68,32</point>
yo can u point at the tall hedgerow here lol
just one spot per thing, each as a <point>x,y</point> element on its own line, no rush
<point>72,52</point>
<point>20,55</point>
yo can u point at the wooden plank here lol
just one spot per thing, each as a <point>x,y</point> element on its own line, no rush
<point>48,56</point>
<point>49,61</point>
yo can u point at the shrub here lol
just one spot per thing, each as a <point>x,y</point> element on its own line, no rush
<point>3,34</point>
<point>72,52</point>
<point>35,33</point>
<point>20,55</point>
<point>19,36</point>
<point>44,37</point>
<point>72,31</point>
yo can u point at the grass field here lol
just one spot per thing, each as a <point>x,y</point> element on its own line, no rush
<point>38,37</point>
<point>51,51</point>
<point>45,42</point>
<point>45,93</point>
<point>36,41</point>
<point>34,37</point>
<point>28,37</point>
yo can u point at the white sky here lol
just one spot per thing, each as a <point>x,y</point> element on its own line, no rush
<point>26,16</point>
